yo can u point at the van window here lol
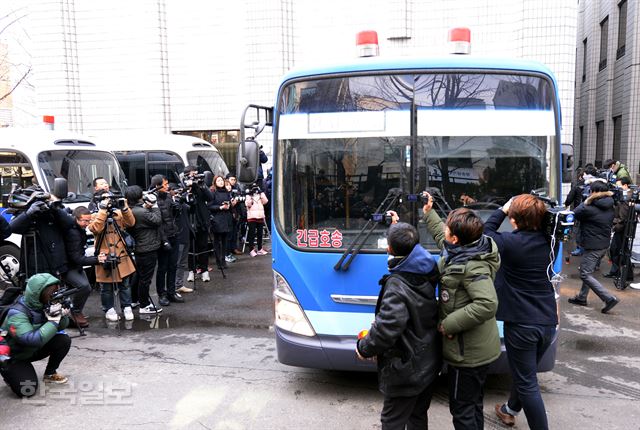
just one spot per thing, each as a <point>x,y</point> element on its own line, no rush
<point>15,168</point>
<point>133,165</point>
<point>165,163</point>
<point>208,160</point>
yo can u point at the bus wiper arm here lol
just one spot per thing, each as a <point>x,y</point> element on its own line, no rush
<point>391,199</point>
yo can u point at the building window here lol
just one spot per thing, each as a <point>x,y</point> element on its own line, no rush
<point>599,144</point>
<point>617,140</point>
<point>584,60</point>
<point>622,28</point>
<point>582,149</point>
<point>604,39</point>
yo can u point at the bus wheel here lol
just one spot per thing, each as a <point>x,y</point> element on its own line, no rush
<point>10,260</point>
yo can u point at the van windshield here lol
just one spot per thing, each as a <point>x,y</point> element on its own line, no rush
<point>208,161</point>
<point>80,167</point>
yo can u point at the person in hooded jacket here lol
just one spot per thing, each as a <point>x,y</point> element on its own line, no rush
<point>404,335</point>
<point>596,215</point>
<point>221,219</point>
<point>468,304</point>
<point>34,333</point>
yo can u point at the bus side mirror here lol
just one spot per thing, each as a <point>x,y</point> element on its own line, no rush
<point>248,161</point>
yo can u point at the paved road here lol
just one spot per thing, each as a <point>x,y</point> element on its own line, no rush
<point>211,364</point>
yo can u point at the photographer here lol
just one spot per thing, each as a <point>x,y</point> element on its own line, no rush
<point>616,171</point>
<point>239,213</point>
<point>146,233</point>
<point>168,252</point>
<point>44,250</point>
<point>100,186</point>
<point>34,325</point>
<point>199,211</point>
<point>621,213</point>
<point>255,202</point>
<point>112,252</point>
<point>76,244</point>
<point>221,219</point>
<point>596,218</point>
<point>183,236</point>
<point>526,303</point>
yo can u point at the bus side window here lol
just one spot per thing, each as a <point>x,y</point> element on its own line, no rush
<point>15,168</point>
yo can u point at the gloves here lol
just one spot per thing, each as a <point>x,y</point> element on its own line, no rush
<point>54,313</point>
<point>36,208</point>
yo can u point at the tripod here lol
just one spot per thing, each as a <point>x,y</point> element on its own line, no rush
<point>630,225</point>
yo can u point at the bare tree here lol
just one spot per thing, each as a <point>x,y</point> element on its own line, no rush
<point>6,66</point>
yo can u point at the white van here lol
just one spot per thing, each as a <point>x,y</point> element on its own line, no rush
<point>143,155</point>
<point>29,157</point>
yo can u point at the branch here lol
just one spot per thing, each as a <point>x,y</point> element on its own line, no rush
<point>16,85</point>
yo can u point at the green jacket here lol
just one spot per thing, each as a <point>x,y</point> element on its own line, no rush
<point>622,171</point>
<point>468,300</point>
<point>27,325</point>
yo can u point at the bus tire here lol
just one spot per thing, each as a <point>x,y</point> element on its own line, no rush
<point>10,258</point>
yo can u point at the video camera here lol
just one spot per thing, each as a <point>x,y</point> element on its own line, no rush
<point>116,200</point>
<point>22,198</point>
<point>111,262</point>
<point>557,222</point>
<point>62,296</point>
<point>255,189</point>
<point>236,194</point>
<point>383,219</point>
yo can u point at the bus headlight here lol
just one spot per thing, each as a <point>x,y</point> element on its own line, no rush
<point>289,314</point>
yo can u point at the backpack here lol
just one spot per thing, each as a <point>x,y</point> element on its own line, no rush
<point>8,300</point>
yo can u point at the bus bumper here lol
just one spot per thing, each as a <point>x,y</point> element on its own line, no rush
<point>338,353</point>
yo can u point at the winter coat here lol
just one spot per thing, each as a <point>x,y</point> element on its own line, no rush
<point>596,218</point>
<point>263,159</point>
<point>404,335</point>
<point>468,300</point>
<point>621,171</point>
<point>113,244</point>
<point>75,243</point>
<point>255,206</point>
<point>50,227</point>
<point>5,228</point>
<point>525,294</point>
<point>27,325</point>
<point>621,213</point>
<point>146,230</point>
<point>170,212</point>
<point>574,197</point>
<point>199,207</point>
<point>221,219</point>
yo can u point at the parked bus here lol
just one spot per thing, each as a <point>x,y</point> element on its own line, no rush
<point>30,157</point>
<point>353,139</point>
<point>143,155</point>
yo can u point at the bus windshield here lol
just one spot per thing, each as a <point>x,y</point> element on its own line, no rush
<point>80,167</point>
<point>208,161</point>
<point>472,139</point>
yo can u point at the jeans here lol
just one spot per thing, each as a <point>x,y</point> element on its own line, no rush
<point>183,264</point>
<point>590,260</point>
<point>526,344</point>
<point>398,412</point>
<point>78,279</point>
<point>166,273</point>
<point>106,294</point>
<point>466,396</point>
<point>146,264</point>
<point>21,376</point>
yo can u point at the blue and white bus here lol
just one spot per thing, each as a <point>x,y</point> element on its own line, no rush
<point>351,140</point>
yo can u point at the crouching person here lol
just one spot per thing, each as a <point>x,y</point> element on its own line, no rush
<point>33,326</point>
<point>404,336</point>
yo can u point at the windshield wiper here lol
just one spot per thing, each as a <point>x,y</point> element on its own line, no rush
<point>392,198</point>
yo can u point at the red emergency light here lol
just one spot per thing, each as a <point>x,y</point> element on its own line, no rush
<point>367,43</point>
<point>460,40</point>
<point>49,121</point>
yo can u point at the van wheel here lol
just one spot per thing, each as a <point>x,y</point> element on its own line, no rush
<point>10,260</point>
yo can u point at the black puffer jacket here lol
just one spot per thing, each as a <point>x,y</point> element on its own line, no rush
<point>51,226</point>
<point>170,211</point>
<point>146,231</point>
<point>75,243</point>
<point>202,197</point>
<point>596,218</point>
<point>404,335</point>
<point>221,219</point>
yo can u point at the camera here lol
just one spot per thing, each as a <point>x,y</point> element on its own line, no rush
<point>22,198</point>
<point>116,201</point>
<point>183,195</point>
<point>557,222</point>
<point>62,296</point>
<point>111,262</point>
<point>237,195</point>
<point>384,219</point>
<point>253,190</point>
<point>149,197</point>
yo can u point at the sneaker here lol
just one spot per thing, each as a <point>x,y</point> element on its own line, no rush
<point>577,252</point>
<point>253,253</point>
<point>56,378</point>
<point>191,277</point>
<point>111,315</point>
<point>577,301</point>
<point>164,300</point>
<point>262,252</point>
<point>635,286</point>
<point>611,275</point>
<point>506,418</point>
<point>185,290</point>
<point>150,310</point>
<point>230,259</point>
<point>128,313</point>
<point>205,277</point>
<point>610,304</point>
